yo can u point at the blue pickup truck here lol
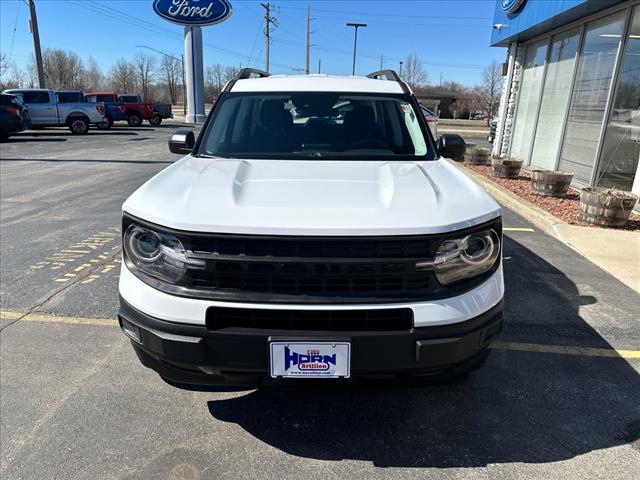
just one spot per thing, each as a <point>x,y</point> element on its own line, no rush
<point>114,111</point>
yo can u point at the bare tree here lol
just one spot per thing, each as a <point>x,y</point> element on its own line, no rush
<point>172,72</point>
<point>123,76</point>
<point>144,66</point>
<point>93,76</point>
<point>488,94</point>
<point>229,73</point>
<point>413,72</point>
<point>215,80</point>
<point>62,69</point>
<point>10,75</point>
<point>4,64</point>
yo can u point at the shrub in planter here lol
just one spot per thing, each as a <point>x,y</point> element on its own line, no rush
<point>549,183</point>
<point>506,167</point>
<point>606,206</point>
<point>480,156</point>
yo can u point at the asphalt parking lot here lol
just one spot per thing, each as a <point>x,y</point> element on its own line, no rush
<point>558,398</point>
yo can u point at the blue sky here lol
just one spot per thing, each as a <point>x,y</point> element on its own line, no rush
<point>450,36</point>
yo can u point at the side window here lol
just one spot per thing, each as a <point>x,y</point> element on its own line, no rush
<point>35,97</point>
<point>91,99</point>
<point>69,97</point>
<point>105,98</point>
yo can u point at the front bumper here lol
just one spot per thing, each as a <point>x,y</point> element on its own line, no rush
<point>191,354</point>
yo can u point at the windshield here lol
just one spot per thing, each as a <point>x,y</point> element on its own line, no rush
<point>323,125</point>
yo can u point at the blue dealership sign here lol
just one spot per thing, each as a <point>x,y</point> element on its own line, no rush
<point>511,6</point>
<point>193,12</point>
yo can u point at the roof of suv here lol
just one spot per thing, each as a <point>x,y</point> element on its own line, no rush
<point>316,83</point>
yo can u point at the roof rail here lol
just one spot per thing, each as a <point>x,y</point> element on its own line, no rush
<point>245,73</point>
<point>388,74</point>
<point>392,76</point>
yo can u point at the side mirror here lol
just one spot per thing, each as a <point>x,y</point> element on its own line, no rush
<point>452,146</point>
<point>182,141</point>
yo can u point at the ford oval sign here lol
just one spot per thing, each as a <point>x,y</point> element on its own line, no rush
<point>193,12</point>
<point>511,6</point>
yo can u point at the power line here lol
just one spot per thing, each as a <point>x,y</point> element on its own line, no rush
<point>121,16</point>
<point>371,14</point>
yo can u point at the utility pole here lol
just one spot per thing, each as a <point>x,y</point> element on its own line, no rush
<point>36,43</point>
<point>355,42</point>
<point>319,65</point>
<point>381,62</point>
<point>269,20</point>
<point>307,69</point>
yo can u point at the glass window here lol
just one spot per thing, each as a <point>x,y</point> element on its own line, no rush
<point>555,100</point>
<point>321,125</point>
<point>130,99</point>
<point>621,148</point>
<point>531,81</point>
<point>590,93</point>
<point>35,96</point>
<point>70,97</point>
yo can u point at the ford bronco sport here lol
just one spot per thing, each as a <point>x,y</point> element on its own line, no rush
<point>314,230</point>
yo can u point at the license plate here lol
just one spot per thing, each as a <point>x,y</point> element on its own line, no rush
<point>310,359</point>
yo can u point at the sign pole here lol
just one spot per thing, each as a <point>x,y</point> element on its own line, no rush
<point>194,74</point>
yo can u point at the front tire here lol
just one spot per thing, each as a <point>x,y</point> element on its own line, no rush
<point>79,126</point>
<point>106,125</point>
<point>134,120</point>
<point>155,120</point>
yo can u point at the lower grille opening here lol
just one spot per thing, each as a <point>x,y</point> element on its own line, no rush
<point>393,319</point>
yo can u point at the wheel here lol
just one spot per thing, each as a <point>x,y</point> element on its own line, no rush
<point>106,125</point>
<point>155,120</point>
<point>134,120</point>
<point>79,126</point>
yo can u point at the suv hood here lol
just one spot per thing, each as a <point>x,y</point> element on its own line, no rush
<point>312,197</point>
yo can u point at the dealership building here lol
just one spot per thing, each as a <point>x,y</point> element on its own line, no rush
<point>572,88</point>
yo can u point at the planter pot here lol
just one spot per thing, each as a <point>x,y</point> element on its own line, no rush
<point>605,206</point>
<point>549,183</point>
<point>469,152</point>
<point>506,167</point>
<point>479,156</point>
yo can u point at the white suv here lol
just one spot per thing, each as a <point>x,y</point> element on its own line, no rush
<point>313,231</point>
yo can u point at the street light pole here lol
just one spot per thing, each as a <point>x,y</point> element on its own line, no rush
<point>355,42</point>
<point>400,74</point>
<point>181,59</point>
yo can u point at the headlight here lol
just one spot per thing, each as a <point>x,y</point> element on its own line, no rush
<point>157,254</point>
<point>464,258</point>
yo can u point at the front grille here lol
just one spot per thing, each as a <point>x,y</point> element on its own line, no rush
<point>311,269</point>
<point>393,319</point>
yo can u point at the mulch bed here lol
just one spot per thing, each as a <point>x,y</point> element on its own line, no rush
<point>567,208</point>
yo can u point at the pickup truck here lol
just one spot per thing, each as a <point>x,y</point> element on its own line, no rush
<point>160,110</point>
<point>47,111</point>
<point>114,109</point>
<point>135,111</point>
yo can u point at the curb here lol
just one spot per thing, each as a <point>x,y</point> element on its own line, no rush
<point>534,214</point>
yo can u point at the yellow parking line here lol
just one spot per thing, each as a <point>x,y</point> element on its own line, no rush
<point>518,229</point>
<point>43,317</point>
<point>567,350</point>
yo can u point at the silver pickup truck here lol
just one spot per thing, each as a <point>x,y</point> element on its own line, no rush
<point>46,111</point>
